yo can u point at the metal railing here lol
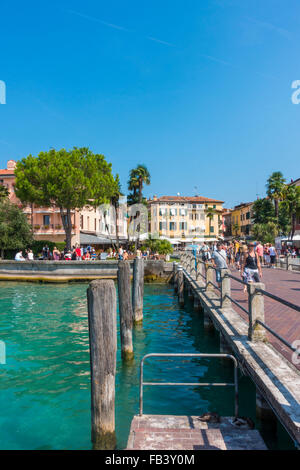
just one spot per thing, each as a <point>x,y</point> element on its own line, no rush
<point>197,384</point>
<point>187,259</point>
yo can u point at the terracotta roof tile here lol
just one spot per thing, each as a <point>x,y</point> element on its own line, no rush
<point>185,199</point>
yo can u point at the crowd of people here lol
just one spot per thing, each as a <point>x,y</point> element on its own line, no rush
<point>78,253</point>
<point>247,258</point>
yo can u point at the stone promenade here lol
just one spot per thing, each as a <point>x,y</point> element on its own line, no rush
<point>284,320</point>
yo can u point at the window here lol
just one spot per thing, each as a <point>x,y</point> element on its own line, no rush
<point>81,221</point>
<point>182,225</point>
<point>248,215</point>
<point>212,229</point>
<point>95,225</point>
<point>214,206</point>
<point>46,220</point>
<point>162,225</point>
<point>172,226</point>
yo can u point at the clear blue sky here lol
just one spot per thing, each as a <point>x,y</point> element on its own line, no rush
<point>198,90</point>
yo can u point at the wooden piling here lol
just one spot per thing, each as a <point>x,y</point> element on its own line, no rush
<point>138,290</point>
<point>102,317</point>
<point>180,288</point>
<point>125,309</point>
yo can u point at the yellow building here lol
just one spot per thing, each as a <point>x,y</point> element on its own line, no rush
<point>241,219</point>
<point>185,218</point>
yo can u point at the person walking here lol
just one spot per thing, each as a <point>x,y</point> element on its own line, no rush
<point>219,261</point>
<point>251,267</point>
<point>272,253</point>
<point>260,251</point>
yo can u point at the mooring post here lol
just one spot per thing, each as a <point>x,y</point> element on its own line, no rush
<point>225,288</point>
<point>125,309</point>
<point>175,272</point>
<point>138,290</point>
<point>102,317</point>
<point>256,332</point>
<point>209,277</point>
<point>180,289</point>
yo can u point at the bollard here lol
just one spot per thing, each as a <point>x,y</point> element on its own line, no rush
<point>138,290</point>
<point>102,318</point>
<point>289,265</point>
<point>180,289</point>
<point>256,332</point>
<point>209,277</point>
<point>225,289</point>
<point>125,309</point>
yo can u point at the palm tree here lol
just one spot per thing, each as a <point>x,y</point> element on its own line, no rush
<point>138,177</point>
<point>115,202</point>
<point>275,186</point>
<point>210,212</point>
<point>291,201</point>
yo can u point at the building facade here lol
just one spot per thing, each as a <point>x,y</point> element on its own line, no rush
<point>185,218</point>
<point>242,219</point>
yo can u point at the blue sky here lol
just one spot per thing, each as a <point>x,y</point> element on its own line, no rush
<point>199,91</point>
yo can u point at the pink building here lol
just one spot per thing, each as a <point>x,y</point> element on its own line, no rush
<point>46,221</point>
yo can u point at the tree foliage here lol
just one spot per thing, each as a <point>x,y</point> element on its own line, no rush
<point>265,232</point>
<point>138,177</point>
<point>15,232</point>
<point>163,247</point>
<point>67,179</point>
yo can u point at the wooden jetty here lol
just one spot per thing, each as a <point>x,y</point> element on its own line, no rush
<point>163,432</point>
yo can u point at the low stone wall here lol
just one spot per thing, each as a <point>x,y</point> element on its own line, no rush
<point>62,271</point>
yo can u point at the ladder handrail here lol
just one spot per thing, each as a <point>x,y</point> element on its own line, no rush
<point>229,356</point>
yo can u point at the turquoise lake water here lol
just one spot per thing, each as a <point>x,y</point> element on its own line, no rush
<point>45,383</point>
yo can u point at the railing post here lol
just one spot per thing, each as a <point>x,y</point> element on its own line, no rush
<point>256,332</point>
<point>209,277</point>
<point>199,269</point>
<point>180,289</point>
<point>225,288</point>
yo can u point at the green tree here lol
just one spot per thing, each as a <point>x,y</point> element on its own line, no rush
<point>163,247</point>
<point>275,185</point>
<point>138,177</point>
<point>265,232</point>
<point>291,202</point>
<point>15,232</point>
<point>4,193</point>
<point>66,179</point>
<point>263,211</point>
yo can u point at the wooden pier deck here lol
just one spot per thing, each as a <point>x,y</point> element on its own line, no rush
<point>164,432</point>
